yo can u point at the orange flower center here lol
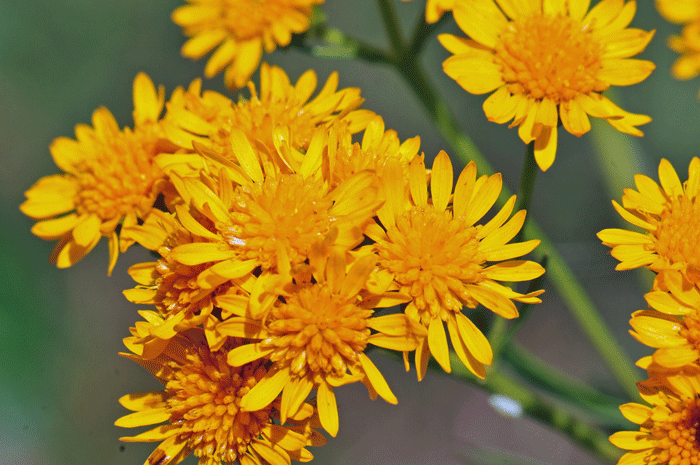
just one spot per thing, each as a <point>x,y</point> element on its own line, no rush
<point>205,401</point>
<point>431,256</point>
<point>316,332</point>
<point>678,435</point>
<point>119,176</point>
<point>678,231</point>
<point>552,57</point>
<point>289,212</point>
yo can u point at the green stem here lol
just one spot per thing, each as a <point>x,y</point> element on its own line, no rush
<point>527,183</point>
<point>391,25</point>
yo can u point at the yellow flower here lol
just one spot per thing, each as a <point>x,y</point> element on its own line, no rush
<point>201,404</point>
<point>673,327</point>
<point>436,254</point>
<point>316,334</point>
<point>268,219</point>
<point>241,29</point>
<point>110,178</point>
<point>670,213</point>
<point>548,61</point>
<point>669,430</point>
<point>281,116</point>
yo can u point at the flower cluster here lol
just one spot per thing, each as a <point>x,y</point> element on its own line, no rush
<point>281,224</point>
<point>669,211</point>
<point>687,13</point>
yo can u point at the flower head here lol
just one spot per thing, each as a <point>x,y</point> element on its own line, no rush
<point>110,178</point>
<point>670,214</point>
<point>673,326</point>
<point>548,61</point>
<point>281,117</point>
<point>315,326</point>
<point>669,430</point>
<point>201,404</point>
<point>433,251</point>
<point>241,29</point>
<point>686,12</point>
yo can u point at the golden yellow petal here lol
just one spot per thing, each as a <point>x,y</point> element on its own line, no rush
<point>600,107</point>
<point>678,11</point>
<point>142,401</point>
<point>233,269</point>
<point>222,57</point>
<point>66,153</point>
<point>463,190</point>
<point>626,43</point>
<point>554,7</point>
<point>623,19</point>
<point>666,303</point>
<point>418,181</point>
<point>493,301</point>
<point>676,356</point>
<point>204,199</point>
<point>284,437</point>
<point>578,9</point>
<point>500,107</point>
<point>636,458</point>
<point>311,165</point>
<point>113,252</point>
<point>546,147</point>
<point>603,13</point>
<point>463,46</point>
<point>265,391</point>
<point>658,330</point>
<point>148,103</point>
<point>72,253</point>
<point>686,67</point>
<point>189,15</point>
<point>505,233</point>
<point>650,189</point>
<point>245,353</point>
<point>376,379</point>
<point>204,42</point>
<point>622,236</point>
<point>669,180</point>
<point>273,456</point>
<point>150,416</point>
<point>624,71</point>
<point>50,196</point>
<point>514,270</point>
<point>481,20</point>
<point>437,341</point>
<point>422,358</point>
<point>441,181</point>
<point>327,409</point>
<point>483,199</point>
<point>633,440</point>
<point>630,218</point>
<point>631,253</point>
<point>201,252</point>
<point>476,75</point>
<point>509,251</point>
<point>574,117</point>
<point>474,339</point>
<point>247,59</point>
<point>636,413</point>
<point>462,350</point>
<point>158,433</point>
<point>55,228</point>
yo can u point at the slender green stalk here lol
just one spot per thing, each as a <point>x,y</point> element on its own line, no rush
<point>527,184</point>
<point>391,25</point>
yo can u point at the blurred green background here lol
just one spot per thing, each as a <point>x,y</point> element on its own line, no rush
<point>60,330</point>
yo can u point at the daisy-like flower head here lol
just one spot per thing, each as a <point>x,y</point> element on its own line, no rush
<point>241,29</point>
<point>669,430</point>
<point>315,327</point>
<point>201,404</point>
<point>670,214</point>
<point>378,146</point>
<point>673,327</point>
<point>265,217</point>
<point>110,177</point>
<point>281,116</point>
<point>548,61</point>
<point>434,252</point>
<point>686,12</point>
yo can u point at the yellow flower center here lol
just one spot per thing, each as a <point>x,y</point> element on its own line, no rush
<point>289,212</point>
<point>677,437</point>
<point>247,19</point>
<point>431,256</point>
<point>205,401</point>
<point>551,57</point>
<point>316,332</point>
<point>678,231</point>
<point>119,176</point>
